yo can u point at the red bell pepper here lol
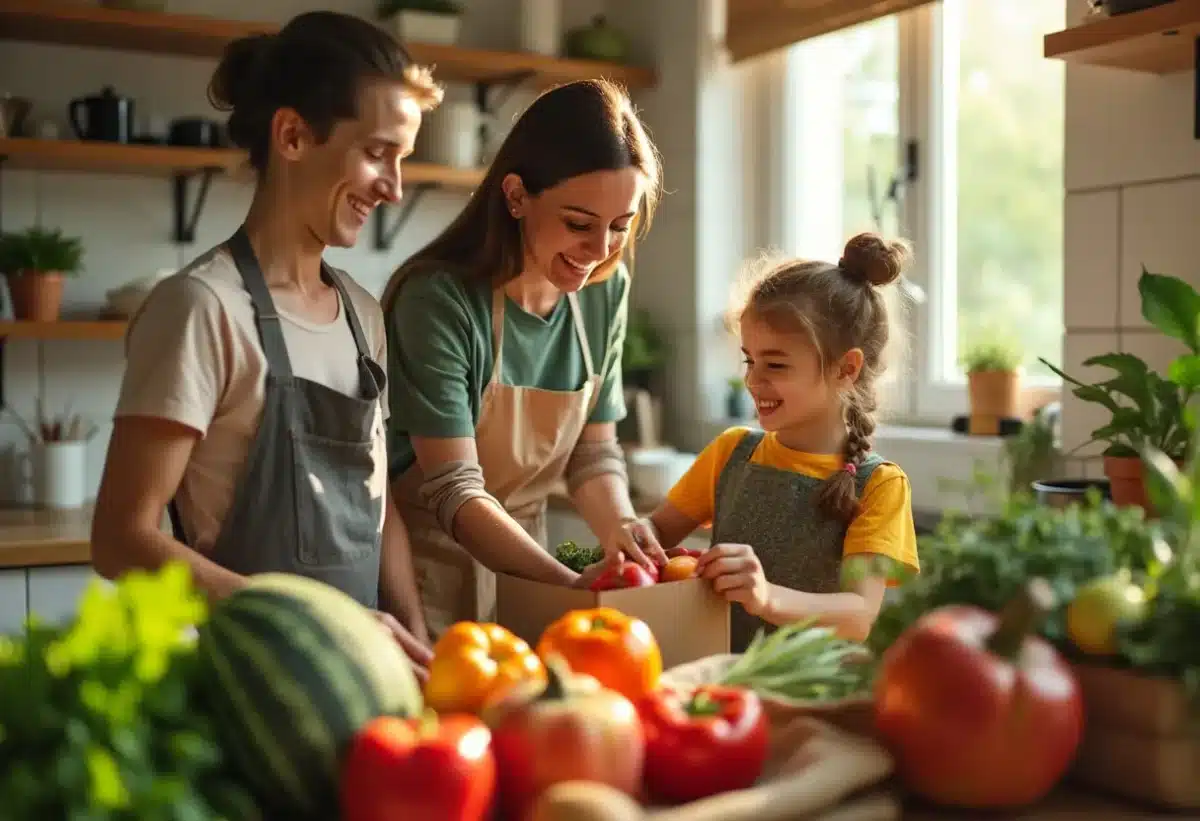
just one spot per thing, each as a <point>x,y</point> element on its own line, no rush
<point>624,574</point>
<point>429,769</point>
<point>703,742</point>
<point>979,713</point>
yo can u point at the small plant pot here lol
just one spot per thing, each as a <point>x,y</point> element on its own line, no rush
<point>994,394</point>
<point>1126,476</point>
<point>426,27</point>
<point>1061,493</point>
<point>737,403</point>
<point>36,295</point>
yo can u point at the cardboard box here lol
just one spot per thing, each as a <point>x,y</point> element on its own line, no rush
<point>687,618</point>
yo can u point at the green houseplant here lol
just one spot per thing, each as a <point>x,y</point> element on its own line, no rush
<point>422,21</point>
<point>1146,409</point>
<point>35,263</point>
<point>643,353</point>
<point>993,367</point>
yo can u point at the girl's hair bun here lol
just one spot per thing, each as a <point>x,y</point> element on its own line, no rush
<point>872,260</point>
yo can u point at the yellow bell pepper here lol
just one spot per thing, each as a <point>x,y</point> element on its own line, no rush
<point>472,663</point>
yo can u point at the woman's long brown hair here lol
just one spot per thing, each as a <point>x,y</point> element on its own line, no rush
<point>569,130</point>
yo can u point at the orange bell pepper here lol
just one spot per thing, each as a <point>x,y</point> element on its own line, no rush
<point>472,663</point>
<point>615,649</point>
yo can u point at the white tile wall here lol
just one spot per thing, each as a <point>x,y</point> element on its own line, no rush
<point>1133,199</point>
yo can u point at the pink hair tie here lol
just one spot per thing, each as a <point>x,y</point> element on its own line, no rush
<point>850,468</point>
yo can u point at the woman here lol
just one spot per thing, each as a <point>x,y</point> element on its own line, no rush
<point>505,336</point>
<point>253,401</point>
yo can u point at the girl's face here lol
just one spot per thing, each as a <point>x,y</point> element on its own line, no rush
<point>571,228</point>
<point>337,183</point>
<point>785,378</point>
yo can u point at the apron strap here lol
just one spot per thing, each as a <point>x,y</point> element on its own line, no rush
<point>270,331</point>
<point>356,330</point>
<point>497,332</point>
<point>581,334</point>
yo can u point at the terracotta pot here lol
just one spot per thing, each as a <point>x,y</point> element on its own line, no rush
<point>994,393</point>
<point>36,295</point>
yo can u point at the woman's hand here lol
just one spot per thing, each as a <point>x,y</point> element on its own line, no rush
<point>591,573</point>
<point>637,541</point>
<point>737,575</point>
<point>417,651</point>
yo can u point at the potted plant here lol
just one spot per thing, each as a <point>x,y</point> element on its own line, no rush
<point>993,369</point>
<point>1146,409</point>
<point>643,353</point>
<point>737,400</point>
<point>34,263</point>
<point>422,21</point>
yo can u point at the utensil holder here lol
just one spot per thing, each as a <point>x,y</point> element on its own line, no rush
<point>60,474</point>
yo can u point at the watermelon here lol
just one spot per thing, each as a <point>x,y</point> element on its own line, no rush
<point>291,668</point>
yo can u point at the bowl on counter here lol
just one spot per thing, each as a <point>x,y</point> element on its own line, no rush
<point>654,471</point>
<point>1061,493</point>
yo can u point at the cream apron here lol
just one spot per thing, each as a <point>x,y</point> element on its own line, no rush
<point>524,438</point>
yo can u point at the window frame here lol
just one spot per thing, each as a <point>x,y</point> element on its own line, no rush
<point>927,215</point>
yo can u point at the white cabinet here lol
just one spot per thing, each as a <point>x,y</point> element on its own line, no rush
<point>54,592</point>
<point>12,601</point>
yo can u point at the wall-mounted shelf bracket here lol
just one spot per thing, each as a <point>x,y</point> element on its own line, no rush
<point>385,235</point>
<point>1196,92</point>
<point>185,223</point>
<point>3,159</point>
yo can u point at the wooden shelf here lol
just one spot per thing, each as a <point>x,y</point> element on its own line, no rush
<point>46,21</point>
<point>114,158</point>
<point>64,329</point>
<point>1159,40</point>
<point>151,160</point>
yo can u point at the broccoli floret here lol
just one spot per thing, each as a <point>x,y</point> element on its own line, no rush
<point>577,558</point>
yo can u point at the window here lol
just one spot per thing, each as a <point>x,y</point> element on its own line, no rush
<point>943,125</point>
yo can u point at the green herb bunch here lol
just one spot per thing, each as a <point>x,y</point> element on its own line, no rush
<point>576,557</point>
<point>802,662</point>
<point>995,355</point>
<point>984,561</point>
<point>97,718</point>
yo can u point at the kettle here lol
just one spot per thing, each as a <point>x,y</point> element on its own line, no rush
<point>106,116</point>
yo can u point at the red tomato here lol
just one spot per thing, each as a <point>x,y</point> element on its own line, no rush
<point>978,713</point>
<point>431,769</point>
<point>625,574</point>
<point>702,743</point>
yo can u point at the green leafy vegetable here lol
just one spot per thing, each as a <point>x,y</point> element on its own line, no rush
<point>801,662</point>
<point>576,557</point>
<point>97,718</point>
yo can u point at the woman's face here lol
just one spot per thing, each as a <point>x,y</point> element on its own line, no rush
<point>336,184</point>
<point>571,228</point>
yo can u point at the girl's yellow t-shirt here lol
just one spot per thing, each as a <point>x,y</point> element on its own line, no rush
<point>884,525</point>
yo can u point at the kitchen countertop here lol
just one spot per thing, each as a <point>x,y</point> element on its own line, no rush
<point>37,538</point>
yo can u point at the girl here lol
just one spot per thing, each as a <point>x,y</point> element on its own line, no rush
<point>794,505</point>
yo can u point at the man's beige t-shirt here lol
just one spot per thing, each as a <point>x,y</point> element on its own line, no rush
<point>193,356</point>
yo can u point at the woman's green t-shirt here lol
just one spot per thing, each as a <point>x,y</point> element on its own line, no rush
<point>439,339</point>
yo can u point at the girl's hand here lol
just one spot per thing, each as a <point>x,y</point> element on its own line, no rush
<point>635,540</point>
<point>737,575</point>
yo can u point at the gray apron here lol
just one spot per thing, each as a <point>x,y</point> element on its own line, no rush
<point>775,512</point>
<point>303,503</point>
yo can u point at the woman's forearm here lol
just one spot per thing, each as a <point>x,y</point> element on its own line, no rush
<point>603,502</point>
<point>495,539</point>
<point>849,614</point>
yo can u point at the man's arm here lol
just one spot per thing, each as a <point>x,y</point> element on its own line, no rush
<point>398,592</point>
<point>145,463</point>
